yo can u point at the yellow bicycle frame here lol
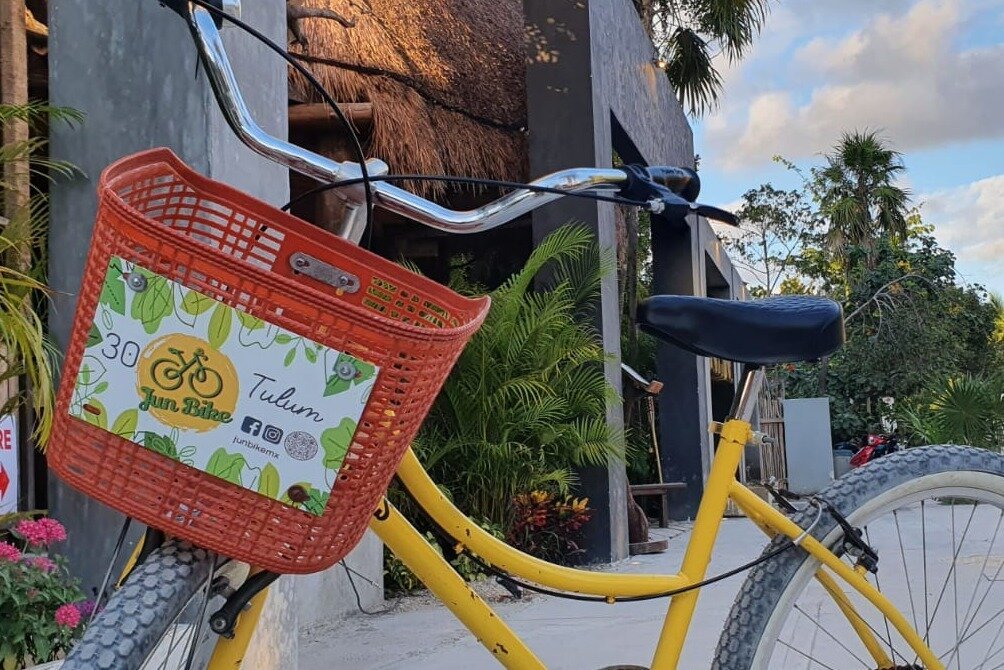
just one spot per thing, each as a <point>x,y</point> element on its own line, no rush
<point>409,545</point>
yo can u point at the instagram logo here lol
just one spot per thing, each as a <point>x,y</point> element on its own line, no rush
<point>272,434</point>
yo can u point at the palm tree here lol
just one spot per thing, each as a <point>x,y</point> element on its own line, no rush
<point>690,34</point>
<point>858,194</point>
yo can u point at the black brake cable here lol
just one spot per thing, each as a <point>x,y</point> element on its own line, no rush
<point>328,99</point>
<point>468,180</point>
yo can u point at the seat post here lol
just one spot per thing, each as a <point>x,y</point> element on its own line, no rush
<point>749,391</point>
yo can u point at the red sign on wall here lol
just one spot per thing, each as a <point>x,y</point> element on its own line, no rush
<point>8,465</point>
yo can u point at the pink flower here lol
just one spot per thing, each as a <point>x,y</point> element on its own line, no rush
<point>55,531</point>
<point>33,534</point>
<point>68,616</point>
<point>41,532</point>
<point>43,563</point>
<point>9,552</point>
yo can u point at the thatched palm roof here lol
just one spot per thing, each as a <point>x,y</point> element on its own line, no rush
<point>446,79</point>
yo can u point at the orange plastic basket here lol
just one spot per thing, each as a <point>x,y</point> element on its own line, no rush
<point>158,214</point>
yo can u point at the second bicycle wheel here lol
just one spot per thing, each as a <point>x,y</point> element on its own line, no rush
<point>156,619</point>
<point>934,515</point>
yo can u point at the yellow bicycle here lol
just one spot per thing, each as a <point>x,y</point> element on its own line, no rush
<point>893,567</point>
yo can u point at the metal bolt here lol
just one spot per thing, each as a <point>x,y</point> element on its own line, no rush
<point>136,282</point>
<point>343,280</point>
<point>301,262</point>
<point>345,371</point>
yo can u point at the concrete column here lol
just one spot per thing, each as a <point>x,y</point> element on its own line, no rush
<point>130,67</point>
<point>566,129</point>
<point>683,404</point>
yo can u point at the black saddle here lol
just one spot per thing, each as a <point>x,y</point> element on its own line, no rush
<point>782,329</point>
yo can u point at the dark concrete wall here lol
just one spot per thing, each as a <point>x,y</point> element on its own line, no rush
<point>591,84</point>
<point>129,66</point>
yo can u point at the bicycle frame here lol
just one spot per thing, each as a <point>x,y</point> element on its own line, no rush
<point>496,636</point>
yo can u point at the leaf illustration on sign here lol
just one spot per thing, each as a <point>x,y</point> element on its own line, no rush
<point>162,444</point>
<point>94,336</point>
<point>268,483</point>
<point>219,325</point>
<point>155,302</point>
<point>195,303</point>
<point>336,441</point>
<point>226,466</point>
<point>339,381</point>
<point>249,322</point>
<point>125,424</point>
<point>113,290</point>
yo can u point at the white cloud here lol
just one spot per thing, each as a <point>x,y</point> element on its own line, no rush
<point>969,220</point>
<point>899,74</point>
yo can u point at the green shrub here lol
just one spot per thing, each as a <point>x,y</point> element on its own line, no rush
<point>526,404</point>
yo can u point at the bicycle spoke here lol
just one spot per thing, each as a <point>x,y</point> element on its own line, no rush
<point>923,535</point>
<point>906,576</point>
<point>990,646</point>
<point>951,572</point>
<point>966,621</point>
<point>831,636</point>
<point>802,653</point>
<point>878,586</point>
<point>981,627</point>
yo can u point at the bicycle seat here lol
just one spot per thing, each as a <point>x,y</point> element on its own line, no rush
<point>783,329</point>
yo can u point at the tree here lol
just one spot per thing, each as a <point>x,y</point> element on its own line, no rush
<point>858,196</point>
<point>690,34</point>
<point>776,229</point>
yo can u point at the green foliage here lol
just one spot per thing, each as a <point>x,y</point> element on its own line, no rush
<point>965,410</point>
<point>910,323</point>
<point>690,34</point>
<point>776,229</point>
<point>526,403</point>
<point>24,349</point>
<point>858,195</point>
<point>549,526</point>
<point>399,579</point>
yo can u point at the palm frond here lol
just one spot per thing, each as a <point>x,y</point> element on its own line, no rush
<point>691,71</point>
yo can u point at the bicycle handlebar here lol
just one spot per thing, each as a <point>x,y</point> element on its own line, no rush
<point>205,32</point>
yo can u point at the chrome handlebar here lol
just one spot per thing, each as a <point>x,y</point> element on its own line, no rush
<point>227,91</point>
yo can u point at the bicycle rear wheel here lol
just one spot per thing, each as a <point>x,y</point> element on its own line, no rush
<point>934,515</point>
<point>156,619</point>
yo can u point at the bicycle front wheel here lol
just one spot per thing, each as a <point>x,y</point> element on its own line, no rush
<point>934,515</point>
<point>155,619</point>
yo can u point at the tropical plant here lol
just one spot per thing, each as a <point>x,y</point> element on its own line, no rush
<point>549,526</point>
<point>24,350</point>
<point>690,34</point>
<point>526,404</point>
<point>42,610</point>
<point>858,194</point>
<point>963,410</point>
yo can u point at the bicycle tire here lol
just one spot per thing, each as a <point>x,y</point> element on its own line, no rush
<point>137,617</point>
<point>766,598</point>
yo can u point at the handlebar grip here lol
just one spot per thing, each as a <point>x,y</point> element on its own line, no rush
<point>680,180</point>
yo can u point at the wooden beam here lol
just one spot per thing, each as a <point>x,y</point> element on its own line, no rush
<point>319,116</point>
<point>14,91</point>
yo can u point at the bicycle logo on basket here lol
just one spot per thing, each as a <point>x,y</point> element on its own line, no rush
<point>187,384</point>
<point>169,374</point>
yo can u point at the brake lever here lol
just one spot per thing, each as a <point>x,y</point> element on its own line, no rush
<point>716,214</point>
<point>673,206</point>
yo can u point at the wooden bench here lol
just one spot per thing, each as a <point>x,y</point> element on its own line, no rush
<point>662,490</point>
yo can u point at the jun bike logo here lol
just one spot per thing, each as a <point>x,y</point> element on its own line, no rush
<point>170,373</point>
<point>186,383</point>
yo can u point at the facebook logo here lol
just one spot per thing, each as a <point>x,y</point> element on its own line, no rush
<point>251,426</point>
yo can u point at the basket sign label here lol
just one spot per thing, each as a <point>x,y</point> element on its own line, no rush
<point>218,389</point>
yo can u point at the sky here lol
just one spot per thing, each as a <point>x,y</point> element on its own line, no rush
<point>928,75</point>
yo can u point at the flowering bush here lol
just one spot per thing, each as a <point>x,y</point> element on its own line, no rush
<point>548,526</point>
<point>41,607</point>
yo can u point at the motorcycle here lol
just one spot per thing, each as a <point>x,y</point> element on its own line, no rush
<point>875,447</point>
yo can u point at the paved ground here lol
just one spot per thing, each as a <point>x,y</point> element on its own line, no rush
<point>418,633</point>
<point>422,634</point>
